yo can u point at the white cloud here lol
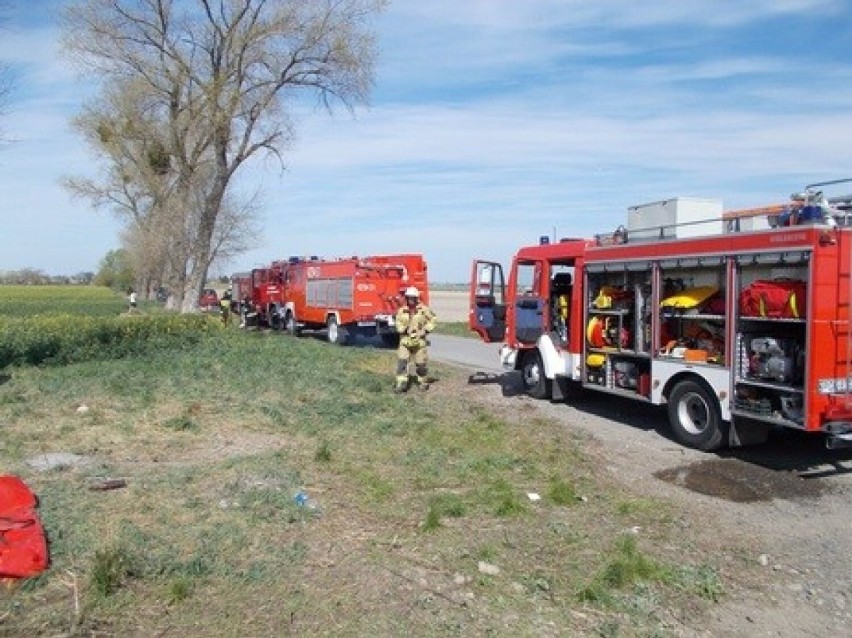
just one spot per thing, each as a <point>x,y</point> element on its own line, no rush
<point>494,122</point>
<point>511,15</point>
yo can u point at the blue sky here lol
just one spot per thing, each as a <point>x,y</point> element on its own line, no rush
<point>492,122</point>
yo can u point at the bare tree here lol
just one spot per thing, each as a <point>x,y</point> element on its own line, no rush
<point>212,83</point>
<point>160,212</point>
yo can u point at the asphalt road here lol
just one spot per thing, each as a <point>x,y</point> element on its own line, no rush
<point>466,352</point>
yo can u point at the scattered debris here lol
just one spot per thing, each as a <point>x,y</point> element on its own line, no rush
<point>487,568</point>
<point>533,496</point>
<point>83,409</point>
<point>104,484</point>
<point>302,499</point>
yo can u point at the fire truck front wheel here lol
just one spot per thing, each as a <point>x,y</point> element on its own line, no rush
<point>694,416</point>
<point>337,334</point>
<point>535,383</point>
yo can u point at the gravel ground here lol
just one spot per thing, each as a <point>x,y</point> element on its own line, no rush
<point>787,501</point>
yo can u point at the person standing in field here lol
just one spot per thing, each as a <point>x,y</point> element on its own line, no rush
<point>225,306</point>
<point>414,321</point>
<point>132,300</point>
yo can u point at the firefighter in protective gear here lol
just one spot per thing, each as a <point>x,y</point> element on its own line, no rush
<point>413,321</point>
<point>225,306</point>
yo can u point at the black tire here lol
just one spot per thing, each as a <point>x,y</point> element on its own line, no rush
<point>390,340</point>
<point>273,319</point>
<point>290,325</point>
<point>532,376</point>
<point>337,334</point>
<point>695,417</point>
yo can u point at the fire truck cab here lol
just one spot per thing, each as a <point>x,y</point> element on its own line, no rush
<point>735,330</point>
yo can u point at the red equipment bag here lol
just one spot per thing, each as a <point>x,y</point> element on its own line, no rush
<point>23,546</point>
<point>779,298</point>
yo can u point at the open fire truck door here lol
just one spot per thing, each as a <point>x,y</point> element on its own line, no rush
<point>530,303</point>
<point>488,301</point>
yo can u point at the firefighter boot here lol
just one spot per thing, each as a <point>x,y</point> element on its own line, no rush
<point>422,377</point>
<point>401,376</point>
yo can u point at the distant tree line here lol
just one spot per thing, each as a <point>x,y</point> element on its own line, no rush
<point>35,277</point>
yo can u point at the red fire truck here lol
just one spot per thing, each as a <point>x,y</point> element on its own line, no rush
<point>345,297</point>
<point>736,326</point>
<point>241,289</point>
<point>267,295</point>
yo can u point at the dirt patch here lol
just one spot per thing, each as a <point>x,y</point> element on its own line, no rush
<point>58,460</point>
<point>739,482</point>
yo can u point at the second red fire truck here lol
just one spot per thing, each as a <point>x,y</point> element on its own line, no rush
<point>344,297</point>
<point>737,323</point>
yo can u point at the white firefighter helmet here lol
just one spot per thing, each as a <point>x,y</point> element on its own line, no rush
<point>411,291</point>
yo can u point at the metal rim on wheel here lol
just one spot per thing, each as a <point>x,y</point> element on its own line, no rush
<point>333,333</point>
<point>532,374</point>
<point>693,413</point>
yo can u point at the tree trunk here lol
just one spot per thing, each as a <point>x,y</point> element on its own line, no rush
<point>200,258</point>
<point>192,291</point>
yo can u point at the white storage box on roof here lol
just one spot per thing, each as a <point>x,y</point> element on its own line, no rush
<point>746,224</point>
<point>675,218</point>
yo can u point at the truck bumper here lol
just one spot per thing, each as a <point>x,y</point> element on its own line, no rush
<point>384,324</point>
<point>508,357</point>
<point>839,435</point>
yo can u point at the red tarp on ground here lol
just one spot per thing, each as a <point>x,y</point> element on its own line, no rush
<point>23,547</point>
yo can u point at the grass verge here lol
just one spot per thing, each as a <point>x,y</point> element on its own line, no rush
<point>456,329</point>
<point>277,485</point>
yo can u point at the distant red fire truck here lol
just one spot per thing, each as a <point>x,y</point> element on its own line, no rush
<point>345,297</point>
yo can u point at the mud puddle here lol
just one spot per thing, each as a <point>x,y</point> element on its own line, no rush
<point>740,482</point>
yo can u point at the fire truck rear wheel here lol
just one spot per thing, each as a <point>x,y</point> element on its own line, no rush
<point>337,334</point>
<point>695,417</point>
<point>290,325</point>
<point>535,383</point>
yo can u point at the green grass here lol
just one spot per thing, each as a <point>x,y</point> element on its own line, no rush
<point>561,492</point>
<point>406,494</point>
<point>455,329</point>
<point>90,301</point>
<point>111,568</point>
<point>64,339</point>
